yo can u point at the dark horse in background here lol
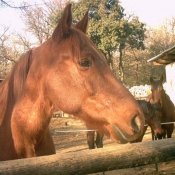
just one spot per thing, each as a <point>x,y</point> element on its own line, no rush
<point>153,118</point>
<point>159,95</point>
<point>69,73</point>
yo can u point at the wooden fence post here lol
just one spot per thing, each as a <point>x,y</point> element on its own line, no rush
<point>93,161</point>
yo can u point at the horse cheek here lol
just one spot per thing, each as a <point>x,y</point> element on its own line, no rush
<point>65,98</point>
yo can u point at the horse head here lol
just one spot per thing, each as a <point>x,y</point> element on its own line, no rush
<point>69,73</point>
<point>156,88</point>
<point>154,119</point>
<point>78,81</point>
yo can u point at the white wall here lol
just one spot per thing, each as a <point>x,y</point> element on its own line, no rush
<point>170,79</point>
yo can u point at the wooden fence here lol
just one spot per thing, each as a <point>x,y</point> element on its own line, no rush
<point>93,161</point>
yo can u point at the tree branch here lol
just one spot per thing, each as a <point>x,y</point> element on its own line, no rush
<point>18,7</point>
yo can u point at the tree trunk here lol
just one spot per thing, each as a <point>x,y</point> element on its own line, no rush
<point>121,73</point>
<point>110,61</point>
<point>93,161</point>
<point>137,68</point>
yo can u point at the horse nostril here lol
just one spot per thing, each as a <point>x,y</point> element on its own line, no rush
<point>135,124</point>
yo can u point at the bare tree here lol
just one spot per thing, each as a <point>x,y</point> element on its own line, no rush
<point>39,19</point>
<point>39,26</point>
<point>12,5</point>
<point>24,42</point>
<point>9,53</point>
<point>9,50</point>
<point>162,38</point>
<point>5,29</point>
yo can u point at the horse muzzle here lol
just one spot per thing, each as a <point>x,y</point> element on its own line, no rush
<point>136,127</point>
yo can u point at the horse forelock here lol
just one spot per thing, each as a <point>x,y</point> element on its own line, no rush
<point>12,86</point>
<point>76,41</point>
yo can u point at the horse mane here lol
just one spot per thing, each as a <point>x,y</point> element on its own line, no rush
<point>12,86</point>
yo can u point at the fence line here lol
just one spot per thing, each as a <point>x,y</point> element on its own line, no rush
<point>94,161</point>
<point>76,130</point>
<point>165,123</point>
<point>86,130</point>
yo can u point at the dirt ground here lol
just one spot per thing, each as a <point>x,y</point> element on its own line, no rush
<point>73,141</point>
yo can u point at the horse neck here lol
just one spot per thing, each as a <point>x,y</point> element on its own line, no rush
<point>4,100</point>
<point>35,107</point>
<point>36,112</point>
<point>163,100</point>
<point>150,98</point>
<point>167,104</point>
<point>11,88</point>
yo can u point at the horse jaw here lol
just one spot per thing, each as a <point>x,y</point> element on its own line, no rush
<point>120,136</point>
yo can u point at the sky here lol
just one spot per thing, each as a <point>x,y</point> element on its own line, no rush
<point>151,12</point>
<point>11,16</point>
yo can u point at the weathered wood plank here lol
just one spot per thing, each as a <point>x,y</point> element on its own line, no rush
<point>92,161</point>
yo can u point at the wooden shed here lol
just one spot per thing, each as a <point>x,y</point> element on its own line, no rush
<point>167,58</point>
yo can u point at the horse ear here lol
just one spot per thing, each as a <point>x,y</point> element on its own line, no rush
<point>161,78</point>
<point>151,80</point>
<point>82,25</point>
<point>63,27</point>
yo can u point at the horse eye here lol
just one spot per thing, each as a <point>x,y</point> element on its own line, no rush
<point>85,63</point>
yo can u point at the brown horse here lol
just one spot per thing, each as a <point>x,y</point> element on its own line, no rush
<point>68,73</point>
<point>153,117</point>
<point>154,121</point>
<point>168,110</point>
<point>94,138</point>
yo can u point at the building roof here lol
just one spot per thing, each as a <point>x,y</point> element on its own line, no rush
<point>164,58</point>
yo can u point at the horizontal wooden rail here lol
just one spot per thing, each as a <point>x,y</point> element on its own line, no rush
<point>85,130</point>
<point>93,161</point>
